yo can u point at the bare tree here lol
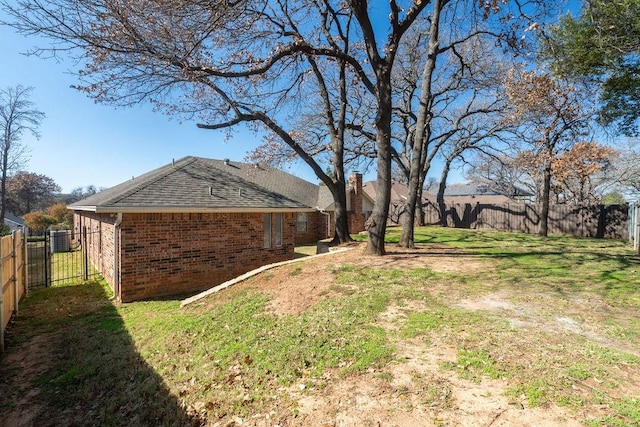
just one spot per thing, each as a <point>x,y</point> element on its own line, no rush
<point>17,117</point>
<point>229,62</point>
<point>580,172</point>
<point>321,131</point>
<point>441,100</point>
<point>500,170</point>
<point>474,131</point>
<point>29,191</point>
<point>259,62</point>
<point>626,173</point>
<point>553,116</point>
<point>79,193</point>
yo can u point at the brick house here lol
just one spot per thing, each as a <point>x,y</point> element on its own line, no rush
<point>397,201</point>
<point>359,205</point>
<point>198,222</point>
<point>486,192</point>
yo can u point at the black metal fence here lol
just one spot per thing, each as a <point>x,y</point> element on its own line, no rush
<point>56,258</point>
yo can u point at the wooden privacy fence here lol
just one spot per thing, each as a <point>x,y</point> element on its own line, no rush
<point>610,222</point>
<point>13,274</point>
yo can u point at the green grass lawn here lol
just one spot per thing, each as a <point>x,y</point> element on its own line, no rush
<point>152,363</point>
<point>565,264</point>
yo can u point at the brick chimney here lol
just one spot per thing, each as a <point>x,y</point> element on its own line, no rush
<point>355,181</point>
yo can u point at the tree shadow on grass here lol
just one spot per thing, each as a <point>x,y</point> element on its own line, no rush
<point>614,276</point>
<point>561,264</point>
<point>71,361</point>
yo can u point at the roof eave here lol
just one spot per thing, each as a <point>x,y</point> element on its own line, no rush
<point>366,196</point>
<point>184,209</point>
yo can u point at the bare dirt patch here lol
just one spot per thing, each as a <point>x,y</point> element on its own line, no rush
<point>28,362</point>
<point>412,392</point>
<point>542,312</point>
<point>297,287</point>
<point>437,258</point>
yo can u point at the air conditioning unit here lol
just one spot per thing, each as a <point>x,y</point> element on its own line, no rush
<point>60,241</point>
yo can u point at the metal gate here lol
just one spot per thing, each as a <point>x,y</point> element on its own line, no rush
<point>56,257</point>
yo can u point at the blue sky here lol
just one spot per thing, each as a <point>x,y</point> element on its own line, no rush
<point>85,143</point>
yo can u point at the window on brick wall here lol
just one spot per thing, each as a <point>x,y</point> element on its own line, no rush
<point>302,222</point>
<point>279,227</point>
<point>267,230</point>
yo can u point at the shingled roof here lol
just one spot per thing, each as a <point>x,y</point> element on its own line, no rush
<point>195,184</point>
<point>399,192</point>
<point>485,188</point>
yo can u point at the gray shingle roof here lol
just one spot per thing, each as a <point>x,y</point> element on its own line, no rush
<point>469,189</point>
<point>195,184</point>
<point>325,198</point>
<point>398,194</point>
<point>487,188</point>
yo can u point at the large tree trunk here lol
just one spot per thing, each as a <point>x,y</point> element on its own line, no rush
<point>341,225</point>
<point>341,234</point>
<point>440,196</point>
<point>409,214</point>
<point>376,224</point>
<point>419,206</point>
<point>546,193</point>
<point>421,137</point>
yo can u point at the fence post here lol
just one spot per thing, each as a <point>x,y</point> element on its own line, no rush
<point>636,232</point>
<point>25,260</point>
<point>47,272</point>
<point>632,224</point>
<point>14,278</point>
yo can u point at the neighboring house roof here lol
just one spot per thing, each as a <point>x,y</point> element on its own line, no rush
<point>485,189</point>
<point>490,199</point>
<point>399,192</point>
<point>325,198</point>
<point>194,184</point>
<point>13,222</point>
<point>483,192</point>
<point>456,193</point>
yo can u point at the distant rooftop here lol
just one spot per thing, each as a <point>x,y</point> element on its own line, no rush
<point>484,189</point>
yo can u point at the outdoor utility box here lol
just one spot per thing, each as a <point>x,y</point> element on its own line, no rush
<point>60,241</point>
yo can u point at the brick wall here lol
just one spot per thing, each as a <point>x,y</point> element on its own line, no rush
<point>356,223</point>
<point>100,248</point>
<point>356,217</point>
<point>168,254</point>
<point>355,181</point>
<point>316,228</point>
<point>321,226</point>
